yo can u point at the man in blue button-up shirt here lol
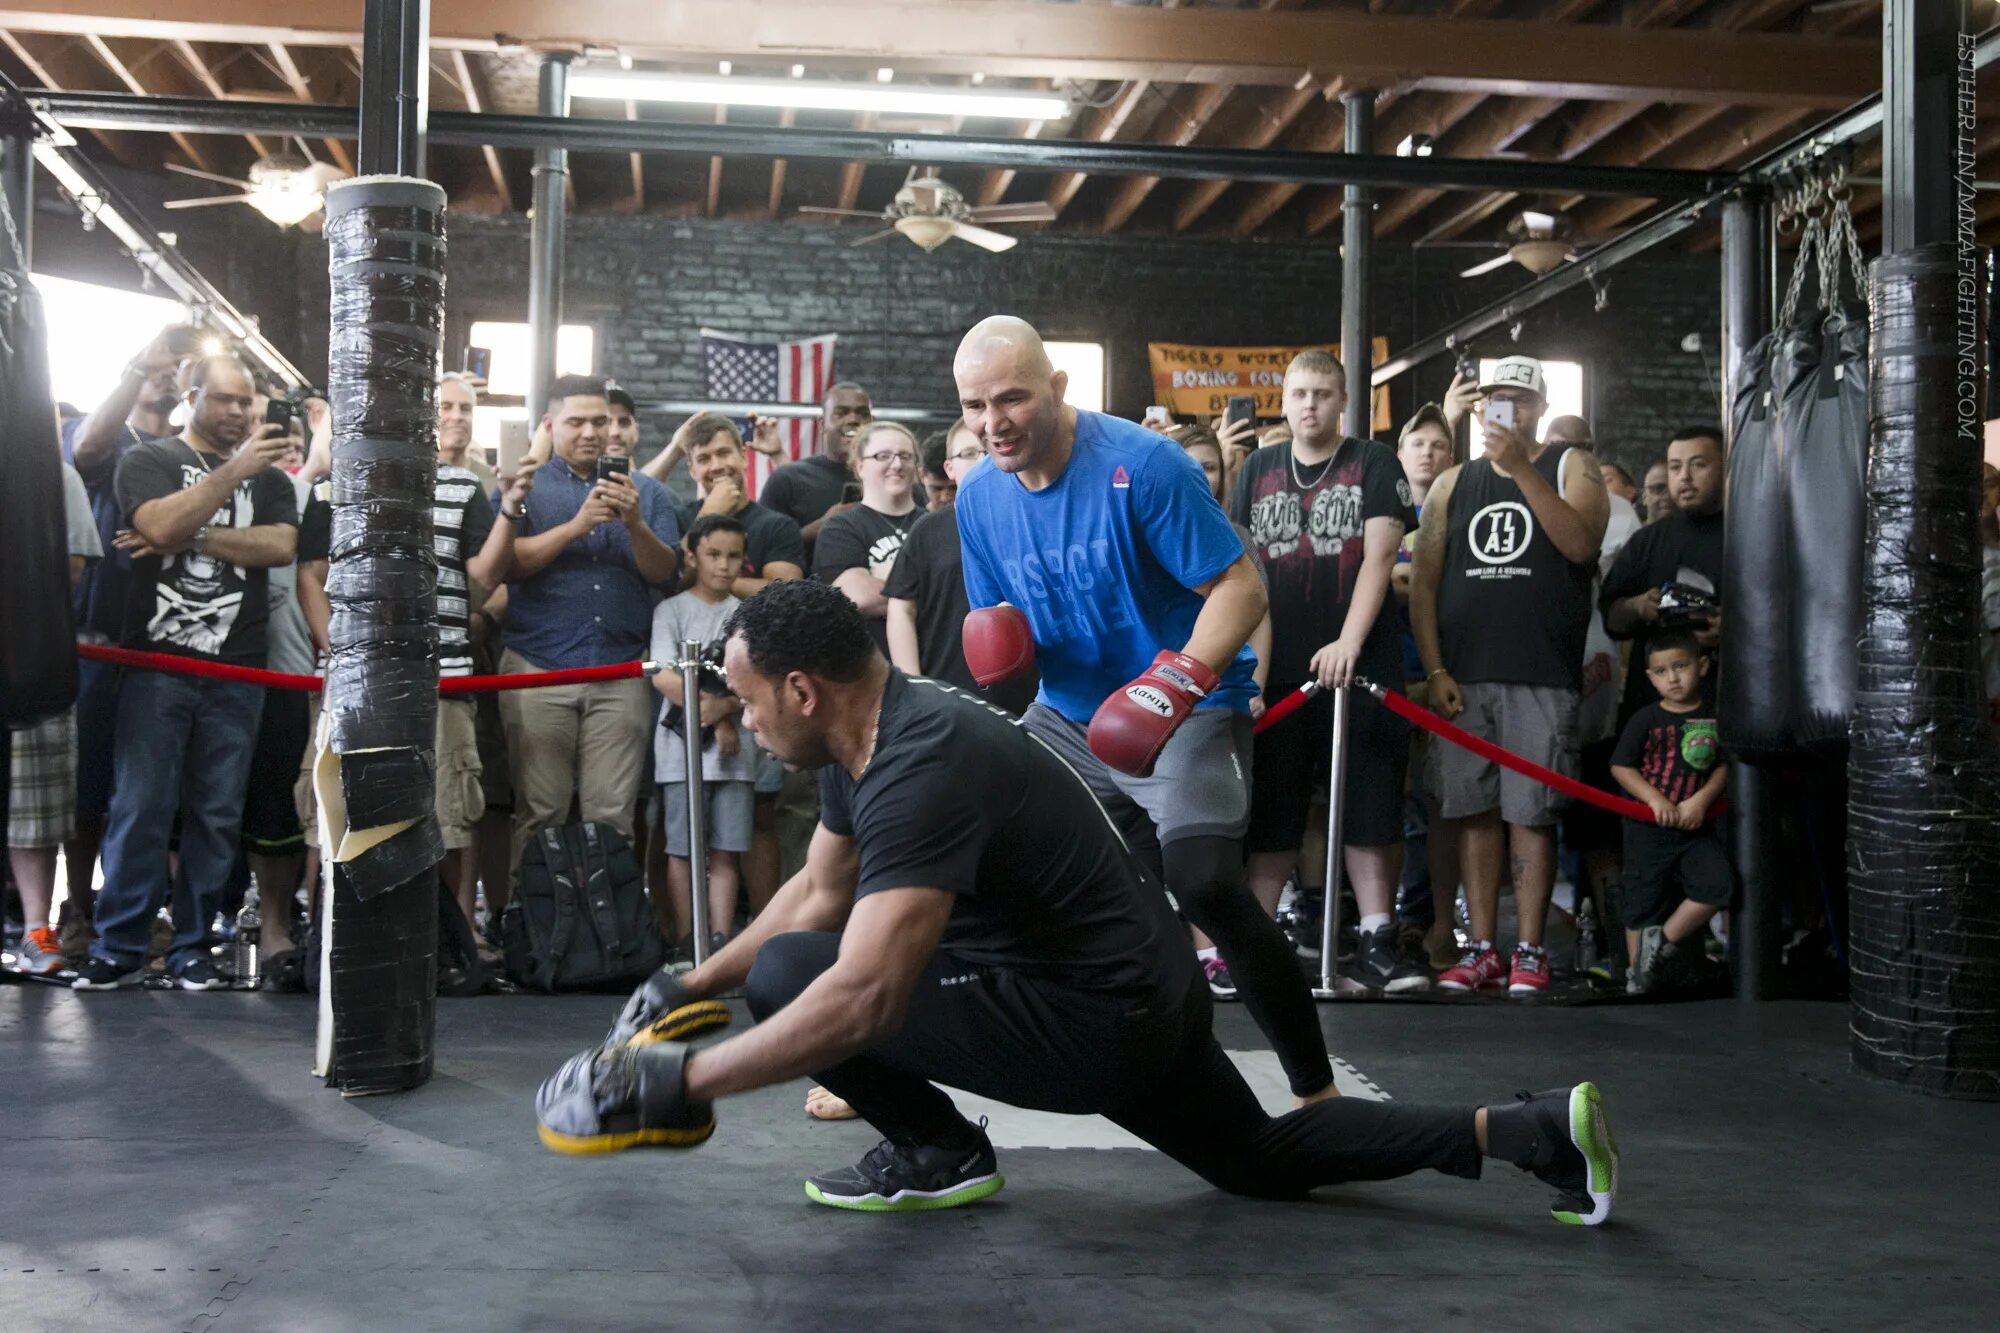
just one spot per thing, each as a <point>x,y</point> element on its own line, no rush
<point>590,552</point>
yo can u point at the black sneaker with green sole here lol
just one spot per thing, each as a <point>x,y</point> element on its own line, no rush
<point>894,1179</point>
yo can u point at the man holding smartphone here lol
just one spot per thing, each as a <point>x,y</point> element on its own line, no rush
<point>593,543</point>
<point>1499,604</point>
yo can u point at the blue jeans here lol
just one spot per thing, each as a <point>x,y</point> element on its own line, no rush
<point>183,747</point>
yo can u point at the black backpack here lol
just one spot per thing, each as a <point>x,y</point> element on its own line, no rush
<point>580,919</point>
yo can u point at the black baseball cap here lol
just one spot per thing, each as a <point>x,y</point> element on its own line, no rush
<point>616,395</point>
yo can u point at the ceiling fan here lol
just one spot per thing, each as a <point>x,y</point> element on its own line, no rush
<point>930,212</point>
<point>1538,242</point>
<point>288,190</point>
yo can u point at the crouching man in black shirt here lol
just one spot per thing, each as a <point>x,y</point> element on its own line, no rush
<point>1009,946</point>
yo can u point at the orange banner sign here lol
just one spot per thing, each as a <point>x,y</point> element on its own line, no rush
<point>1198,382</point>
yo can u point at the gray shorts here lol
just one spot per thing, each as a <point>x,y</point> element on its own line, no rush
<point>1200,786</point>
<point>727,821</point>
<point>1537,722</point>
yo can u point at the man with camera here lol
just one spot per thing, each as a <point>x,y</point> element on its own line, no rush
<point>1668,573</point>
<point>1500,605</point>
<point>593,543</point>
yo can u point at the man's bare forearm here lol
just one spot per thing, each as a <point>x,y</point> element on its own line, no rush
<point>265,546</point>
<point>1232,606</point>
<point>168,522</point>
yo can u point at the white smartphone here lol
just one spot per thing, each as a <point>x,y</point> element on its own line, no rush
<point>1499,412</point>
<point>1158,415</point>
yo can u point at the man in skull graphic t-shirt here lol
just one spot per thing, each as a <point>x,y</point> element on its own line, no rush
<point>205,519</point>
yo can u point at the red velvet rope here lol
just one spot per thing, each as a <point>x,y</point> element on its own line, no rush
<point>283,680</point>
<point>1437,726</point>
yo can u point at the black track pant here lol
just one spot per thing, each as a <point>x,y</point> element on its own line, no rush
<point>1159,1073</point>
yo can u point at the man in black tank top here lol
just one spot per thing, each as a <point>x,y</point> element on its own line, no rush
<point>1499,604</point>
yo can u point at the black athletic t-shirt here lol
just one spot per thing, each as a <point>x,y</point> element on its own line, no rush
<point>767,534</point>
<point>860,538</point>
<point>463,520</point>
<point>1676,752</point>
<point>1308,540</point>
<point>805,490</point>
<point>191,604</point>
<point>959,797</point>
<point>1511,609</point>
<point>1669,551</point>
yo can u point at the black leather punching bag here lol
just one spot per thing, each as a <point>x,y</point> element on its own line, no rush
<point>38,667</point>
<point>1822,375</point>
<point>1755,705</point>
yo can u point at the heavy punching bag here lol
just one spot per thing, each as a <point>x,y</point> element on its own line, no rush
<point>1924,780</point>
<point>1754,708</point>
<point>1821,372</point>
<point>38,668</point>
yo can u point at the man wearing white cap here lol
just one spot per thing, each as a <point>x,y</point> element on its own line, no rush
<point>1500,602</point>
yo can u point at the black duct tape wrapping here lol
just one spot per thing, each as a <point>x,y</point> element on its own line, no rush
<point>361,575</point>
<point>387,786</point>
<point>383,696</point>
<point>1924,777</point>
<point>383,970</point>
<point>1756,686</point>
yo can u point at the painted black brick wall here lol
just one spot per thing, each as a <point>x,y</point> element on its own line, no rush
<point>651,284</point>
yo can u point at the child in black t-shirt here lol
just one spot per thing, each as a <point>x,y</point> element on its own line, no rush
<point>1677,873</point>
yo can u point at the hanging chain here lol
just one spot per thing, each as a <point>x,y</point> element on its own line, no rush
<point>13,236</point>
<point>1808,239</point>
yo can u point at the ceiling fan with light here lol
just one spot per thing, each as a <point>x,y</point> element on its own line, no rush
<point>1538,242</point>
<point>930,212</point>
<point>288,190</point>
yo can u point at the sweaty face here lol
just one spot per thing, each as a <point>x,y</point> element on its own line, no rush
<point>454,416</point>
<point>716,459</point>
<point>1015,412</point>
<point>582,425</point>
<point>1694,475</point>
<point>222,408</point>
<point>1313,404</point>
<point>775,712</point>
<point>1659,495</point>
<point>1425,453</point>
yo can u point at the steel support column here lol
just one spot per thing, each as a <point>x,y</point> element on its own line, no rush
<point>1357,254</point>
<point>1920,106</point>
<point>1747,290</point>
<point>395,87</point>
<point>545,241</point>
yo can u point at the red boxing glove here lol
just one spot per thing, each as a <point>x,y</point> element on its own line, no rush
<point>1131,727</point>
<point>998,644</point>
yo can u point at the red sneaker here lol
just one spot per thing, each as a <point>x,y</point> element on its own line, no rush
<point>1530,973</point>
<point>1480,969</point>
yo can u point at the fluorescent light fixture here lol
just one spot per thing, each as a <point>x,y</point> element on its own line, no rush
<point>814,95</point>
<point>723,67</point>
<point>798,71</point>
<point>885,75</point>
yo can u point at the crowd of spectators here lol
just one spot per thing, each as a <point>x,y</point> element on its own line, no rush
<point>1535,594</point>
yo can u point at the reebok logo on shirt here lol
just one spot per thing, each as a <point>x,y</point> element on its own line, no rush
<point>1120,479</point>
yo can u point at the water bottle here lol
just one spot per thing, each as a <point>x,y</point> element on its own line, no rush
<point>248,928</point>
<point>1589,943</point>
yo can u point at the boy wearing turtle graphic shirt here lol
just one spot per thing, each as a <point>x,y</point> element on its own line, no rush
<point>1677,872</point>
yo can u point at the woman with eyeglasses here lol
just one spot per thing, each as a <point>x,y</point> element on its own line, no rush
<point>858,546</point>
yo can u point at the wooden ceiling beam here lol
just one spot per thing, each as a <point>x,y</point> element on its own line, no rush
<point>198,67</point>
<point>1101,126</point>
<point>1274,119</point>
<point>114,62</point>
<point>125,147</point>
<point>786,118</point>
<point>851,174</point>
<point>476,101</point>
<point>301,86</point>
<point>1735,142</point>
<point>1119,43</point>
<point>714,195</point>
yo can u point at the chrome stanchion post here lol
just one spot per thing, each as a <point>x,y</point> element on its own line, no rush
<point>1336,783</point>
<point>690,669</point>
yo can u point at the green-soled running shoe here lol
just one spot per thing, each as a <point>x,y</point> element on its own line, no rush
<point>893,1179</point>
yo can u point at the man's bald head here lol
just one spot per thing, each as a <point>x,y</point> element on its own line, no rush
<point>1004,338</point>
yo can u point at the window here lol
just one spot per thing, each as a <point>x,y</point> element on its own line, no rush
<point>1085,364</point>
<point>576,354</point>
<point>1565,384</point>
<point>84,364</point>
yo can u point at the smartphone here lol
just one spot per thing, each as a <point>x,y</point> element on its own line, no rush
<point>1158,415</point>
<point>1242,407</point>
<point>479,362</point>
<point>1498,412</point>
<point>850,494</point>
<point>607,465</point>
<point>278,412</point>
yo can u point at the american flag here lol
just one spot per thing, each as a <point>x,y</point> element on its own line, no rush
<point>744,370</point>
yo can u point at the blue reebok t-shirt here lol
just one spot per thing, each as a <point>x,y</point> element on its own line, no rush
<point>1103,562</point>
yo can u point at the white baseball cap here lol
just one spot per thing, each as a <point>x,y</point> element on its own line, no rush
<point>1516,372</point>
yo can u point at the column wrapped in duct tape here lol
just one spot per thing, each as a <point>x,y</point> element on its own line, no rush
<point>1924,795</point>
<point>376,769</point>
